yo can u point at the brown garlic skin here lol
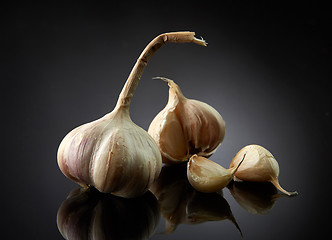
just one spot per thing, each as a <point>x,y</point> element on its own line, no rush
<point>112,153</point>
<point>186,127</point>
<point>260,166</point>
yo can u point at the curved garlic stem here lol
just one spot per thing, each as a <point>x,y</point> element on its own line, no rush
<point>137,71</point>
<point>275,182</point>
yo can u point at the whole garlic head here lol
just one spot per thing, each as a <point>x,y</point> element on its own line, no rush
<point>186,127</point>
<point>113,154</point>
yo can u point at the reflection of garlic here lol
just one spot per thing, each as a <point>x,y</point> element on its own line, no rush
<point>173,192</point>
<point>89,214</point>
<point>113,153</point>
<point>186,127</point>
<point>207,176</point>
<point>260,166</point>
<point>204,207</point>
<point>256,198</point>
<point>181,204</point>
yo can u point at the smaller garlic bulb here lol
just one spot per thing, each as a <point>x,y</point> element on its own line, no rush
<point>260,166</point>
<point>207,176</point>
<point>186,127</point>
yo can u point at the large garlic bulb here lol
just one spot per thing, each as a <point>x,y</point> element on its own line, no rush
<point>112,153</point>
<point>186,127</point>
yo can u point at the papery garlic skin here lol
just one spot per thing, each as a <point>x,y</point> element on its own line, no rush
<point>207,176</point>
<point>260,166</point>
<point>112,154</point>
<point>186,127</point>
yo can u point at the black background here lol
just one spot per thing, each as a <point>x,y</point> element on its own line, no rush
<point>266,70</point>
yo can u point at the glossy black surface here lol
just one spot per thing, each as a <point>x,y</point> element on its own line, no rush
<point>267,70</point>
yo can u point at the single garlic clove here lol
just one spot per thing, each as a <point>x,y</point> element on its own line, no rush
<point>207,176</point>
<point>260,166</point>
<point>112,153</point>
<point>186,127</point>
<point>171,139</point>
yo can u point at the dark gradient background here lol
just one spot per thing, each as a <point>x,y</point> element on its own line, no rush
<point>267,70</point>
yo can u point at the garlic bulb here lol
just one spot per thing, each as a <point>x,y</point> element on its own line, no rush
<point>112,153</point>
<point>260,166</point>
<point>186,127</point>
<point>207,176</point>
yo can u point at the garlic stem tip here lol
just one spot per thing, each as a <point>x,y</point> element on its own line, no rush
<point>200,41</point>
<point>293,194</point>
<point>169,81</point>
<point>162,78</point>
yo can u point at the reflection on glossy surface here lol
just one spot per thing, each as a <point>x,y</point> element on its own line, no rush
<point>209,207</point>
<point>256,198</point>
<point>181,204</point>
<point>88,214</point>
<point>173,191</point>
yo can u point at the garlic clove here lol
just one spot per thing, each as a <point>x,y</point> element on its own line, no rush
<point>207,176</point>
<point>171,141</point>
<point>186,127</point>
<point>112,153</point>
<point>260,166</point>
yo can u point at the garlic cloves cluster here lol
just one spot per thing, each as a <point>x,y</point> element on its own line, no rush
<point>186,127</point>
<point>260,166</point>
<point>112,153</point>
<point>208,176</point>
